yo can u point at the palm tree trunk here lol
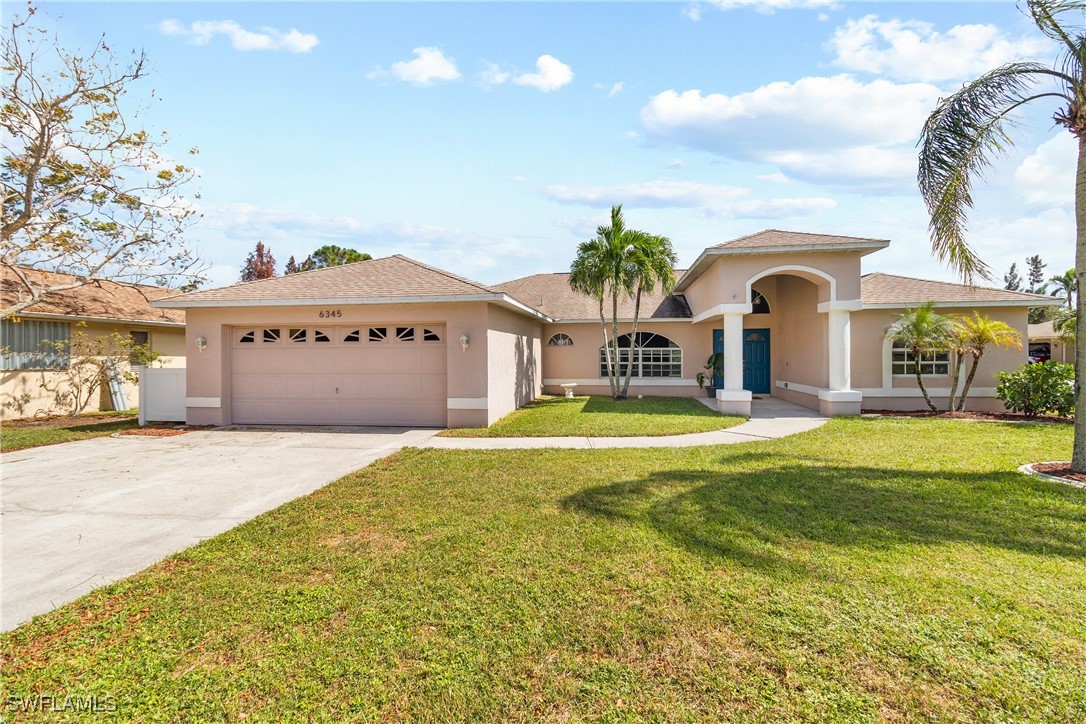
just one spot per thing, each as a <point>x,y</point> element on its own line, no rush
<point>615,390</point>
<point>606,345</point>
<point>633,340</point>
<point>969,381</point>
<point>917,352</point>
<point>1078,458</point>
<point>954,380</point>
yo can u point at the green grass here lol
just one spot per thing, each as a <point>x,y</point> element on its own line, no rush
<point>870,569</point>
<point>603,417</point>
<point>19,438</point>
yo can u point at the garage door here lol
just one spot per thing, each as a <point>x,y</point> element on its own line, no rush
<point>381,374</point>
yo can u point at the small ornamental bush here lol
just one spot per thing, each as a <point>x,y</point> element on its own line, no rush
<point>1039,389</point>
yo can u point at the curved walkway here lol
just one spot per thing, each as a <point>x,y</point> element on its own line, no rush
<point>769,419</point>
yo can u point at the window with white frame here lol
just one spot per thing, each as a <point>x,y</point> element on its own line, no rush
<point>35,345</point>
<point>903,362</point>
<point>560,340</point>
<point>653,355</point>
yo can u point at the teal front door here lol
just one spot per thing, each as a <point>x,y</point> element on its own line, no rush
<point>756,361</point>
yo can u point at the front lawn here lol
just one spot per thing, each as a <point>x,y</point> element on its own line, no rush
<point>603,417</point>
<point>21,435</point>
<point>890,569</point>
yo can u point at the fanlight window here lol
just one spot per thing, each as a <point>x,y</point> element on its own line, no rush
<point>429,335</point>
<point>249,337</point>
<point>758,302</point>
<point>272,335</point>
<point>297,335</point>
<point>653,355</point>
<point>319,336</point>
<point>931,363</point>
<point>353,336</point>
<point>378,334</point>
<point>560,340</point>
<point>405,334</point>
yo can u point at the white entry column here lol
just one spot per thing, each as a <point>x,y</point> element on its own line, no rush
<point>840,398</point>
<point>733,399</point>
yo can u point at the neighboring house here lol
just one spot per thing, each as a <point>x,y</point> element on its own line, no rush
<point>1045,344</point>
<point>32,367</point>
<point>393,341</point>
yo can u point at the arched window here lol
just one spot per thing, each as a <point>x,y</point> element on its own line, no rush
<point>758,302</point>
<point>560,340</point>
<point>653,355</point>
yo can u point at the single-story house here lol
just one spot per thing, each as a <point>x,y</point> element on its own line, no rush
<point>392,341</point>
<point>32,368</point>
<point>1045,344</point>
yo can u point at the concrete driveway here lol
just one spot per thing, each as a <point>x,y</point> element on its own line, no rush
<point>83,514</point>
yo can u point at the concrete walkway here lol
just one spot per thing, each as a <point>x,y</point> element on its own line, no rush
<point>769,419</point>
<point>82,514</point>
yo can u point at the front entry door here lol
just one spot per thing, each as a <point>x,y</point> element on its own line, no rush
<point>756,361</point>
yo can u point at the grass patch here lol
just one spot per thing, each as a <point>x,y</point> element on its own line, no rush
<point>20,438</point>
<point>603,417</point>
<point>888,569</point>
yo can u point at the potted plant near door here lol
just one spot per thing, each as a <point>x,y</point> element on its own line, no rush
<point>714,368</point>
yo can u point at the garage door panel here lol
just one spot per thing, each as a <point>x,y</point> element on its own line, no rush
<point>395,382</point>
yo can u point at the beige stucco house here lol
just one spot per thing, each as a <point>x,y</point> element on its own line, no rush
<point>32,369</point>
<point>392,341</point>
<point>1045,343</point>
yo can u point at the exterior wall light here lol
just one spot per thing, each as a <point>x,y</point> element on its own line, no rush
<point>201,343</point>
<point>464,341</point>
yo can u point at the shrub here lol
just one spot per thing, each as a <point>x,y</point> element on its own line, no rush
<point>1038,389</point>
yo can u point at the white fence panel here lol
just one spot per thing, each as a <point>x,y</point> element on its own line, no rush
<point>162,394</point>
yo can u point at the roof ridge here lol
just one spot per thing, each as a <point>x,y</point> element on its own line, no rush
<point>448,274</point>
<point>92,279</point>
<point>797,233</point>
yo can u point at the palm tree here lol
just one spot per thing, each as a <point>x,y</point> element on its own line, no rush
<point>651,263</point>
<point>922,332</point>
<point>601,270</point>
<point>973,336</point>
<point>1065,286</point>
<point>969,129</point>
<point>1065,325</point>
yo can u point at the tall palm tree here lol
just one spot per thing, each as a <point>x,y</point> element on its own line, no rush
<point>1064,285</point>
<point>969,129</point>
<point>973,336</point>
<point>923,332</point>
<point>602,271</point>
<point>651,263</point>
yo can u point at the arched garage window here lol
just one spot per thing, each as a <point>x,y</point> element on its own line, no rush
<point>653,355</point>
<point>560,340</point>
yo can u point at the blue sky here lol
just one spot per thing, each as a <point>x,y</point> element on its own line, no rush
<point>489,139</point>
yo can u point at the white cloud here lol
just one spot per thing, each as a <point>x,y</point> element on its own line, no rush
<point>674,164</point>
<point>914,50</point>
<point>1047,176</point>
<point>766,7</point>
<point>612,90</point>
<point>429,65</point>
<point>201,32</point>
<point>713,199</point>
<point>551,74</point>
<point>834,130</point>
<point>492,75</point>
<point>775,178</point>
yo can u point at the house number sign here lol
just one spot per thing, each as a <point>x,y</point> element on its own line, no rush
<point>330,313</point>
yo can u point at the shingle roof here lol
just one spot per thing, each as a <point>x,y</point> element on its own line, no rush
<point>1042,330</point>
<point>388,277</point>
<point>551,294</point>
<point>879,288</point>
<point>97,300</point>
<point>771,238</point>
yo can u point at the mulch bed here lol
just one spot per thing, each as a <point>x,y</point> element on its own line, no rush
<point>990,416</point>
<point>1059,470</point>
<point>163,430</point>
